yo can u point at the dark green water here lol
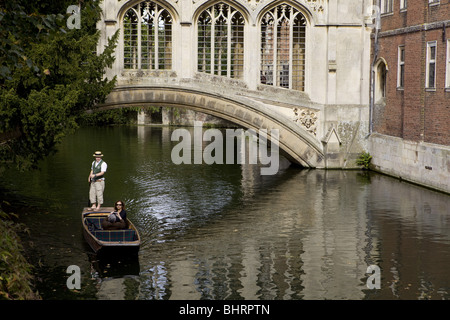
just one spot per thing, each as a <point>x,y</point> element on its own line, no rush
<point>226,232</point>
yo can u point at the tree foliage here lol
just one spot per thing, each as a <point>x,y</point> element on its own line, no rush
<point>49,75</point>
<point>15,271</point>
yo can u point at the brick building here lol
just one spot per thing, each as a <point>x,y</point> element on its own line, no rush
<point>411,111</point>
<point>412,98</point>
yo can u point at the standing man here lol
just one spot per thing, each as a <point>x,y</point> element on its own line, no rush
<point>97,180</point>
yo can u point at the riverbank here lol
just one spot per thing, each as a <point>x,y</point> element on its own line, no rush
<point>15,271</point>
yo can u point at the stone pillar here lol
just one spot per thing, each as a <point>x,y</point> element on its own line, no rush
<point>143,118</point>
<point>251,57</point>
<point>187,53</point>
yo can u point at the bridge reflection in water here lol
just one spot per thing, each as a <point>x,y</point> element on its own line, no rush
<point>226,232</point>
<point>306,234</point>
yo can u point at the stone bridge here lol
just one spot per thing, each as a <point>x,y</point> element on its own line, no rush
<point>302,67</point>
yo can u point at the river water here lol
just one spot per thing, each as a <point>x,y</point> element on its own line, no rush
<point>227,232</point>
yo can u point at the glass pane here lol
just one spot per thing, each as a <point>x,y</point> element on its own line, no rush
<point>283,48</point>
<point>153,40</point>
<point>298,54</point>
<point>237,46</point>
<point>220,46</point>
<point>432,52</point>
<point>204,43</point>
<point>164,41</point>
<point>130,37</point>
<point>147,35</point>
<point>221,41</point>
<point>431,75</point>
<point>402,75</point>
<point>267,46</point>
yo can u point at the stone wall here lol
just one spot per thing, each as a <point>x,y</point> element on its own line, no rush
<point>418,162</point>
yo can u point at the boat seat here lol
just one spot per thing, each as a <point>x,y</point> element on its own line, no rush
<point>115,235</point>
<point>95,223</point>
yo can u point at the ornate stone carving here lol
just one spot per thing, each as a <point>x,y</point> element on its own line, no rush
<point>254,3</point>
<point>135,74</point>
<point>307,118</point>
<point>316,5</point>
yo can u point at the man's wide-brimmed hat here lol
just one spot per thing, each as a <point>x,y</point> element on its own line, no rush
<point>98,154</point>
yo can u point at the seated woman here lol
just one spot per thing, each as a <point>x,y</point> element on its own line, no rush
<point>117,219</point>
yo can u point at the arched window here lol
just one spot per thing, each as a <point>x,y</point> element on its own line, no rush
<point>147,37</point>
<point>380,80</point>
<point>221,41</point>
<point>283,34</point>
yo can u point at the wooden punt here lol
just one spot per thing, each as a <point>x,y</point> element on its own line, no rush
<point>108,241</point>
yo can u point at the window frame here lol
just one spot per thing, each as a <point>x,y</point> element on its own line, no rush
<point>401,67</point>
<point>226,60</point>
<point>387,7</point>
<point>431,61</point>
<point>155,55</point>
<point>403,5</point>
<point>447,71</point>
<point>276,49</point>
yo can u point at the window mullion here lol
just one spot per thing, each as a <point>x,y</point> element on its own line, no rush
<point>156,41</point>
<point>139,36</point>
<point>212,41</point>
<point>229,43</point>
<point>291,46</point>
<point>275,49</point>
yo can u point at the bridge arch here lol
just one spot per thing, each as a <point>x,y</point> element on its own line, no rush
<point>294,142</point>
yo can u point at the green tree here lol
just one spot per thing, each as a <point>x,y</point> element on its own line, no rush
<point>49,75</point>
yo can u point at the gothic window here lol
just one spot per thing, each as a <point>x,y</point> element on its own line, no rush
<point>147,37</point>
<point>380,80</point>
<point>283,34</point>
<point>221,41</point>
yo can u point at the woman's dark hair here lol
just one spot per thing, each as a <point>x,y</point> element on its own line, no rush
<point>120,201</point>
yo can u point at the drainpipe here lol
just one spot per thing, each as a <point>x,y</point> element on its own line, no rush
<point>375,57</point>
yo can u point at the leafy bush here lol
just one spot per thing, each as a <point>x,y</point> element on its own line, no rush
<point>364,160</point>
<point>108,117</point>
<point>15,271</point>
